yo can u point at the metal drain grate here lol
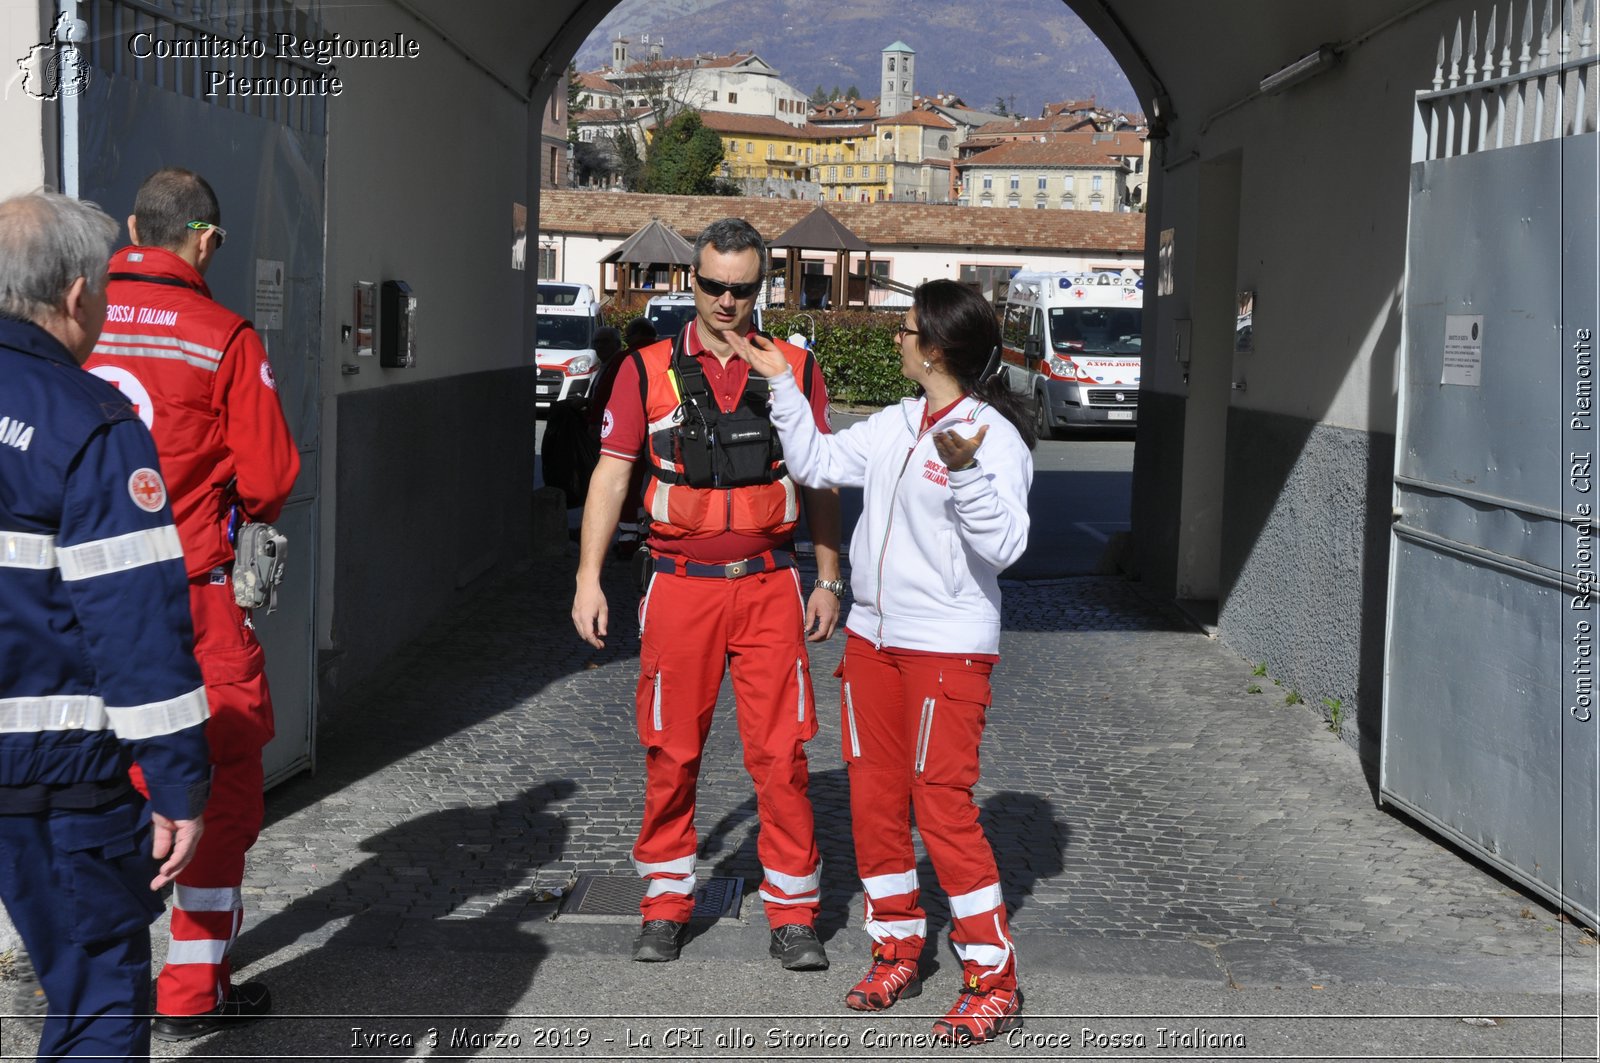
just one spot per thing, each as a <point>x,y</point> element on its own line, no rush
<point>597,898</point>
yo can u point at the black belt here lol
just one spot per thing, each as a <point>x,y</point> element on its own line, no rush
<point>767,562</point>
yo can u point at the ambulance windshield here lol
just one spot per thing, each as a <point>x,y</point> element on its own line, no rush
<point>1096,329</point>
<point>561,333</point>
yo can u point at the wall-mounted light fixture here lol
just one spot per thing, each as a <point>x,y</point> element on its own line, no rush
<point>1302,69</point>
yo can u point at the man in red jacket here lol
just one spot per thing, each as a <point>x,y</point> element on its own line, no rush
<point>199,378</point>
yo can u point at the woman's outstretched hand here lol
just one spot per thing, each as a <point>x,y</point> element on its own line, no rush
<point>956,451</point>
<point>760,352</point>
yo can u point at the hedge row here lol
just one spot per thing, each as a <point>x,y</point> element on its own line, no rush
<point>855,349</point>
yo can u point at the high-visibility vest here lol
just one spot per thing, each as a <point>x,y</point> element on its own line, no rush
<point>681,511</point>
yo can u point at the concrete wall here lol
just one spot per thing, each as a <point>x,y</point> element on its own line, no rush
<point>1286,451</point>
<point>434,483</point>
<point>1305,560</point>
<point>430,466</point>
<point>26,124</point>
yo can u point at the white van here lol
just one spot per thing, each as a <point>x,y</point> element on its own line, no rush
<point>671,311</point>
<point>1072,345</point>
<point>567,317</point>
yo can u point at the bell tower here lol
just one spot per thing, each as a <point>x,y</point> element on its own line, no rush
<point>898,81</point>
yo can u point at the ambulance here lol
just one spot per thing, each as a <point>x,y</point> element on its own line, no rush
<point>566,317</point>
<point>1071,346</point>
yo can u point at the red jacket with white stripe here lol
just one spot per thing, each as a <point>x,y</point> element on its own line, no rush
<point>199,378</point>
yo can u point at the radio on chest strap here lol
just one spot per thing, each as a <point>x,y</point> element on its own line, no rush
<point>719,448</point>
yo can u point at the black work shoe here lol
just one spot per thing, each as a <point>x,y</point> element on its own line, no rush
<point>246,1002</point>
<point>798,947</point>
<point>658,941</point>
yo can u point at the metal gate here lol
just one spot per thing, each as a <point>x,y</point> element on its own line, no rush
<point>265,157</point>
<point>1489,729</point>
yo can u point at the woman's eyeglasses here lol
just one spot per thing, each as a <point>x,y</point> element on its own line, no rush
<point>901,330</point>
<point>716,289</point>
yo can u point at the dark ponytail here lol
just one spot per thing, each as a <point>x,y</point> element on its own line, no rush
<point>959,321</point>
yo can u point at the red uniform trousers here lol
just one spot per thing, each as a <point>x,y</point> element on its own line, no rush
<point>691,630</point>
<point>912,724</point>
<point>208,907</point>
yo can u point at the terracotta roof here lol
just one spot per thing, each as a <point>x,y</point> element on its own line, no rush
<point>603,115</point>
<point>1067,106</point>
<point>922,118</point>
<point>885,226</point>
<point>1003,127</point>
<point>1032,153</point>
<point>597,83</point>
<point>703,62</point>
<point>754,125</point>
<point>865,111</point>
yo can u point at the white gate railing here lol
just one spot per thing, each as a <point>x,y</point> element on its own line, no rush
<point>1481,101</point>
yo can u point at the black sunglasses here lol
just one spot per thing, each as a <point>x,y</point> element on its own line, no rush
<point>716,289</point>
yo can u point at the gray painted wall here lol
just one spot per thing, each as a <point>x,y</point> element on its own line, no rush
<point>1158,484</point>
<point>1305,561</point>
<point>433,490</point>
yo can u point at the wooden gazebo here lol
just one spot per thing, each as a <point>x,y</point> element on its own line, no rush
<point>654,245</point>
<point>820,231</point>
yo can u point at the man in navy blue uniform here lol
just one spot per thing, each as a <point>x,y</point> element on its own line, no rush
<point>97,667</point>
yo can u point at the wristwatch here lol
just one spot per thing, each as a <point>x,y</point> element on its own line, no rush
<point>836,586</point>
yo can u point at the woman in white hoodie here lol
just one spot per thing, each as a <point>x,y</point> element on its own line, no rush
<point>945,477</point>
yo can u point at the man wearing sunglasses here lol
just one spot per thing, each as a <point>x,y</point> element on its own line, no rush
<point>199,378</point>
<point>720,591</point>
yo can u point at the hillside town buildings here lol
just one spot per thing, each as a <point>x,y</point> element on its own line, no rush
<point>900,147</point>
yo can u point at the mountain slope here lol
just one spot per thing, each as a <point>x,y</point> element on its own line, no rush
<point>1027,52</point>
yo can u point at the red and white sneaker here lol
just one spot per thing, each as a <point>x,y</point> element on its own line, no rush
<point>980,1016</point>
<point>886,982</point>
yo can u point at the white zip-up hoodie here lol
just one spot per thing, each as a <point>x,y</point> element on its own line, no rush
<point>928,550</point>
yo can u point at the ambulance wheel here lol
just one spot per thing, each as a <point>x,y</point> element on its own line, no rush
<point>1041,418</point>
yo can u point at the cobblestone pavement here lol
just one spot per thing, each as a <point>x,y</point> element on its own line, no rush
<point>1179,854</point>
<point>1131,787</point>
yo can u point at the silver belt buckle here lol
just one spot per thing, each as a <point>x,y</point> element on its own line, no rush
<point>735,570</point>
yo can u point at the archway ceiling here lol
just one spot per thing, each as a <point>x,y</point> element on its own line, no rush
<point>1201,53</point>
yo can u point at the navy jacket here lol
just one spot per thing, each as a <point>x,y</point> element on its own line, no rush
<point>97,661</point>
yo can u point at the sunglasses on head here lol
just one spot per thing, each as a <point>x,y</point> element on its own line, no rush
<point>716,289</point>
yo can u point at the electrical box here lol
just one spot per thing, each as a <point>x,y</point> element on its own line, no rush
<point>397,331</point>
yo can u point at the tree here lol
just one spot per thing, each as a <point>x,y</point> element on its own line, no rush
<point>1000,107</point>
<point>629,165</point>
<point>852,93</point>
<point>572,103</point>
<point>682,159</point>
<point>819,97</point>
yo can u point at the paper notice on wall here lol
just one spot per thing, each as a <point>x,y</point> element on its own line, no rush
<point>269,294</point>
<point>1463,349</point>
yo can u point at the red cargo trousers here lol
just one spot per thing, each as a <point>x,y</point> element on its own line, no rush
<point>207,903</point>
<point>692,629</point>
<point>912,724</point>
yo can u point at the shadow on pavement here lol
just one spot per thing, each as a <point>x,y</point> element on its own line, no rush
<point>452,881</point>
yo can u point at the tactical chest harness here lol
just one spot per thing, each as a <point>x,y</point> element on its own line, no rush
<point>716,449</point>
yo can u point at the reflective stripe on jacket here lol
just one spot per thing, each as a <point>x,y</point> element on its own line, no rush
<point>200,380</point>
<point>96,645</point>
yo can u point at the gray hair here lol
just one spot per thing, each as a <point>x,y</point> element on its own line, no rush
<point>731,235</point>
<point>47,241</point>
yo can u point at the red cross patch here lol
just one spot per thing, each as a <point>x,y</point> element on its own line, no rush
<point>147,490</point>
